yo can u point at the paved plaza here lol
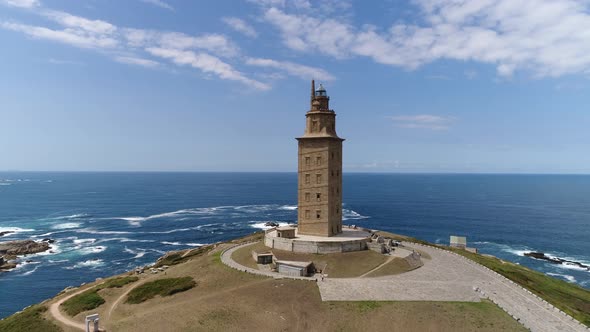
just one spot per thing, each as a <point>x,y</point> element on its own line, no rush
<point>444,277</point>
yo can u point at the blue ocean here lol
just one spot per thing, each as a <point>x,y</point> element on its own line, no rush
<point>108,223</point>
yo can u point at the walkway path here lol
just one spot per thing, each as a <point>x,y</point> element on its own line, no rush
<point>56,313</point>
<point>445,277</point>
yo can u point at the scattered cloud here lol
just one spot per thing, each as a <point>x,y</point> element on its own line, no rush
<point>21,3</point>
<point>422,121</point>
<point>75,37</point>
<point>544,37</point>
<point>470,74</point>
<point>64,62</point>
<point>135,46</point>
<point>159,3</point>
<point>240,26</point>
<point>137,61</point>
<point>207,63</point>
<point>293,69</point>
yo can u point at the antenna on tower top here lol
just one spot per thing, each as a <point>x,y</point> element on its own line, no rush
<point>312,91</point>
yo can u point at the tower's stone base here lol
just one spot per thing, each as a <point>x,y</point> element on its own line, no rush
<point>349,240</point>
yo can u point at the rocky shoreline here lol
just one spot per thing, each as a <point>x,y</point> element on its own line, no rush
<point>555,260</point>
<point>11,250</point>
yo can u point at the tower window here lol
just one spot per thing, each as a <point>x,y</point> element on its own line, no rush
<point>332,172</point>
<point>307,161</point>
<point>307,214</point>
<point>318,178</point>
<point>337,173</point>
<point>315,125</point>
<point>318,197</point>
<point>307,196</point>
<point>318,214</point>
<point>307,178</point>
<point>318,161</point>
<point>332,155</point>
<point>337,190</point>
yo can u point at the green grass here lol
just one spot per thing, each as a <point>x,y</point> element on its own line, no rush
<point>30,320</point>
<point>364,306</point>
<point>570,298</point>
<point>162,287</point>
<point>90,299</point>
<point>174,258</point>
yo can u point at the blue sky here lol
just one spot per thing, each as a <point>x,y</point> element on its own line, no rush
<point>418,86</point>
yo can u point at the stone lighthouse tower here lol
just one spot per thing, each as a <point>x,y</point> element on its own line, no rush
<point>320,170</point>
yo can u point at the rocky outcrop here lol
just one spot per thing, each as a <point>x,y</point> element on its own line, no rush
<point>5,233</point>
<point>10,250</point>
<point>555,260</point>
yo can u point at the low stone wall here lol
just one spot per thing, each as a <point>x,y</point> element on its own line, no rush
<point>315,247</point>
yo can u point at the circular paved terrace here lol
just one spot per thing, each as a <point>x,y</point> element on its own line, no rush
<point>445,277</point>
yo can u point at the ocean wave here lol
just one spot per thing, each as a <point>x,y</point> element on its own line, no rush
<point>15,230</point>
<point>172,243</point>
<point>66,225</point>
<point>92,250</point>
<point>352,215</point>
<point>564,276</point>
<point>72,216</point>
<point>138,253</point>
<point>196,244</point>
<point>94,231</point>
<point>288,207</point>
<point>262,224</point>
<point>58,261</point>
<point>81,241</point>
<point>29,272</point>
<point>5,184</point>
<point>93,263</point>
<point>123,239</point>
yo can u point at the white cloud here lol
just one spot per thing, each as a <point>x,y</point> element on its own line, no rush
<point>73,37</point>
<point>22,3</point>
<point>240,26</point>
<point>422,121</point>
<point>207,63</point>
<point>137,61</point>
<point>126,45</point>
<point>545,37</point>
<point>294,69</point>
<point>159,3</point>
<point>214,43</point>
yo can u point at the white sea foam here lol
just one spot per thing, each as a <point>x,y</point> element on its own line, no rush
<point>81,241</point>
<point>564,276</point>
<point>72,216</point>
<point>54,249</point>
<point>262,224</point>
<point>66,225</point>
<point>138,253</point>
<point>30,271</point>
<point>93,231</point>
<point>352,215</point>
<point>172,243</point>
<point>570,266</point>
<point>288,207</point>
<point>5,184</point>
<point>123,239</point>
<point>93,263</point>
<point>196,244</point>
<point>15,230</point>
<point>92,250</point>
<point>58,261</point>
<point>515,251</point>
<point>133,221</point>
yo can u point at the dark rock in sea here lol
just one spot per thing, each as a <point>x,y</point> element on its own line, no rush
<point>29,261</point>
<point>5,233</point>
<point>555,260</point>
<point>48,240</point>
<point>272,224</point>
<point>22,247</point>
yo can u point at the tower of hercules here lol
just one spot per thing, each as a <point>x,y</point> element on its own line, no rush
<point>320,170</point>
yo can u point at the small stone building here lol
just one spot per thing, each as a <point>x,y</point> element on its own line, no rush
<point>458,241</point>
<point>295,269</point>
<point>263,257</point>
<point>287,232</point>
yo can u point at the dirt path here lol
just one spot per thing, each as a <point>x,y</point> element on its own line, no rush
<point>57,315</point>
<point>389,259</point>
